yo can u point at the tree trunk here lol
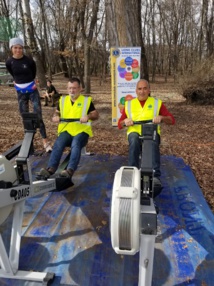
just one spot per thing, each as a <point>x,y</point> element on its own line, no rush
<point>87,78</point>
<point>88,39</point>
<point>31,42</point>
<point>124,38</point>
<point>47,50</point>
<point>112,34</point>
<point>125,17</point>
<point>153,40</point>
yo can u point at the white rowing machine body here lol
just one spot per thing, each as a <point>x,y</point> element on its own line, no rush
<point>125,211</point>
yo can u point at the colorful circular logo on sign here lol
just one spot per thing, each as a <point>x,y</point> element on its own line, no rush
<point>128,97</point>
<point>128,68</point>
<point>123,99</point>
<point>115,52</point>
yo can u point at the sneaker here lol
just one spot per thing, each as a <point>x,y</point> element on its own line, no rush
<point>157,186</point>
<point>45,173</point>
<point>47,147</point>
<point>67,173</point>
<point>157,181</point>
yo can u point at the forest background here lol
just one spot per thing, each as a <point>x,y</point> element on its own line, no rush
<point>73,38</point>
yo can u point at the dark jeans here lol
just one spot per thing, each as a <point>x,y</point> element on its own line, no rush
<point>23,101</point>
<point>135,149</point>
<point>65,140</point>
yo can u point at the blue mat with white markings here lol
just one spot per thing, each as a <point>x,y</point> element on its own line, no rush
<point>68,232</point>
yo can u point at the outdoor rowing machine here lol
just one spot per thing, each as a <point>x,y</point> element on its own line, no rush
<point>133,213</point>
<point>16,185</point>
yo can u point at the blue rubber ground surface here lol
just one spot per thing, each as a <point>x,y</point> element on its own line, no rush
<point>68,232</point>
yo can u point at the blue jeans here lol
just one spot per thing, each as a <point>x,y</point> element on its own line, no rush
<point>135,151</point>
<point>23,101</point>
<point>65,140</point>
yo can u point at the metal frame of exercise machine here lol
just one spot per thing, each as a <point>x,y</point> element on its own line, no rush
<point>16,185</point>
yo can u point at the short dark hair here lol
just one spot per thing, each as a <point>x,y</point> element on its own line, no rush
<point>48,80</point>
<point>75,79</point>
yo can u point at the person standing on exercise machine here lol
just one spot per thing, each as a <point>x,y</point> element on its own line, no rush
<point>144,107</point>
<point>73,134</point>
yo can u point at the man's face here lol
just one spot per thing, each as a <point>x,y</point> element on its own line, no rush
<point>74,89</point>
<point>142,90</point>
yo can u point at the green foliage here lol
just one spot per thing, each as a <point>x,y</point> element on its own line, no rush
<point>9,28</point>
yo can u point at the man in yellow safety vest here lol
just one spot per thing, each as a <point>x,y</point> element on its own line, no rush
<point>74,134</point>
<point>144,107</point>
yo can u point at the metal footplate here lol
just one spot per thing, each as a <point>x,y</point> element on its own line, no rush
<point>44,278</point>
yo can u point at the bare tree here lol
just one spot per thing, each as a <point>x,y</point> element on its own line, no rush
<point>73,36</point>
<point>9,24</point>
<point>112,34</point>
<point>45,38</point>
<point>206,29</point>
<point>31,42</point>
<point>126,16</point>
<point>87,29</point>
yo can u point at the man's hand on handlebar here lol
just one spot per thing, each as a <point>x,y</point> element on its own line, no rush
<point>56,119</point>
<point>128,122</point>
<point>84,119</point>
<point>157,119</point>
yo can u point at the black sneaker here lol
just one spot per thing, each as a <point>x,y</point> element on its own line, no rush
<point>44,173</point>
<point>157,186</point>
<point>157,182</point>
<point>67,173</point>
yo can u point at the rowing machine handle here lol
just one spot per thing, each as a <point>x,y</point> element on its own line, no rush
<point>69,119</point>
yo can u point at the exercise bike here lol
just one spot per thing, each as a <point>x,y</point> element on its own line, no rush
<point>133,213</point>
<point>16,185</point>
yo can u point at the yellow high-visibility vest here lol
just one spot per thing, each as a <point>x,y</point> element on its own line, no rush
<point>68,111</point>
<point>135,111</point>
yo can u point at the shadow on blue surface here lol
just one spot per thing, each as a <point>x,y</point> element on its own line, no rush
<point>68,232</point>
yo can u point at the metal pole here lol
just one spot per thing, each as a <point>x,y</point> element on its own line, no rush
<point>147,245</point>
